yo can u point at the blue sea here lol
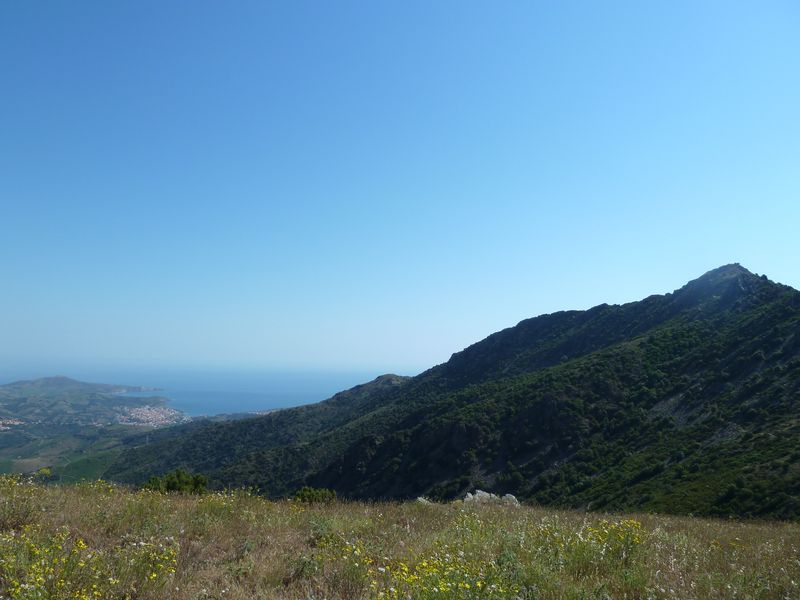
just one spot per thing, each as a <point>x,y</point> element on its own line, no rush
<point>199,392</point>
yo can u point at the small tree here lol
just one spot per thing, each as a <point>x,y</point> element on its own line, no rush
<point>178,481</point>
<point>313,495</point>
<point>44,474</point>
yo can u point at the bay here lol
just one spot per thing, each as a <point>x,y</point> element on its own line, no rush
<point>199,392</point>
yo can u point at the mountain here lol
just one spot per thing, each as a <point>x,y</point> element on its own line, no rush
<point>682,402</point>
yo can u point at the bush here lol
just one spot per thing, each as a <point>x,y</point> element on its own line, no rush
<point>313,495</point>
<point>178,481</point>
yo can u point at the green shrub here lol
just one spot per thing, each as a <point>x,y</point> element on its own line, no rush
<point>314,495</point>
<point>178,481</point>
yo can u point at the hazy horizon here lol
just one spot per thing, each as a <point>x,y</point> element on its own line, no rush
<point>365,188</point>
<point>209,391</point>
<point>237,376</point>
<point>150,375</point>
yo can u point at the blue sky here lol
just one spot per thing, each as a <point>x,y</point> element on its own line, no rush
<point>377,185</point>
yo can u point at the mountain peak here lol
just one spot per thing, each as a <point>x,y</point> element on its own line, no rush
<point>57,380</point>
<point>727,278</point>
<point>726,272</point>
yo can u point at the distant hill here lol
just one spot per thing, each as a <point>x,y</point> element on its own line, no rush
<point>55,421</point>
<point>65,401</point>
<point>682,402</point>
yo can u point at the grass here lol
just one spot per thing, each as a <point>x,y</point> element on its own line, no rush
<point>96,540</point>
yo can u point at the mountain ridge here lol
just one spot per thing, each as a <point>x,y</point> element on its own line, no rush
<point>595,408</point>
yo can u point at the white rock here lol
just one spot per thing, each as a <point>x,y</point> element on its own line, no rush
<point>481,496</point>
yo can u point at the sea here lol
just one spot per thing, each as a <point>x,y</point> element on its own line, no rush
<point>198,392</point>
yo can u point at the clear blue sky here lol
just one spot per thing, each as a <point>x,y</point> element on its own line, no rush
<point>376,185</point>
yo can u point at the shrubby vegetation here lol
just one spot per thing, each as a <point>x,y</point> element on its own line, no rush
<point>177,481</point>
<point>312,495</point>
<point>97,540</point>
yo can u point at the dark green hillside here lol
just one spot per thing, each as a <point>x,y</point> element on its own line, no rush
<point>197,445</point>
<point>684,402</point>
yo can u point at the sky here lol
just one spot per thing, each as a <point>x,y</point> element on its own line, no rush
<point>373,186</point>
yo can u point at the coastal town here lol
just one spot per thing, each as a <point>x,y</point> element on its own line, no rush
<point>151,416</point>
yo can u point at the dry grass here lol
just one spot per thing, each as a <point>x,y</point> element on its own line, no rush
<point>240,547</point>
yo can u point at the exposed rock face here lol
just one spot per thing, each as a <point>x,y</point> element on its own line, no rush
<point>481,497</point>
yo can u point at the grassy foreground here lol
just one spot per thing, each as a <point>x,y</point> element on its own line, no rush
<point>95,540</point>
